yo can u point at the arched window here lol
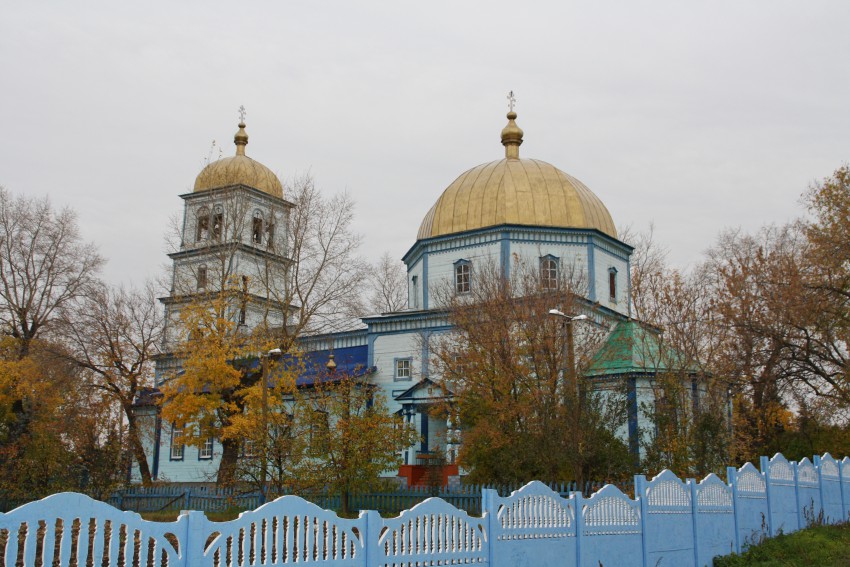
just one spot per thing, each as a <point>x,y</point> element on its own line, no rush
<point>202,222</point>
<point>463,276</point>
<point>548,272</point>
<point>202,277</point>
<point>612,283</point>
<point>257,228</point>
<point>218,222</point>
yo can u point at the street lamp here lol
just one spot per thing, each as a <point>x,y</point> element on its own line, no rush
<point>570,362</point>
<point>570,374</point>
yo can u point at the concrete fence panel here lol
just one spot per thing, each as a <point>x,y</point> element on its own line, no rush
<point>72,528</point>
<point>667,519</point>
<point>534,526</point>
<point>749,494</point>
<point>610,529</point>
<point>432,533</point>
<point>781,494</point>
<point>830,488</point>
<point>714,519</point>
<point>808,493</point>
<point>287,530</point>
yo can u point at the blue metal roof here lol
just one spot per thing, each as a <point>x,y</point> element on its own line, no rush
<point>350,361</point>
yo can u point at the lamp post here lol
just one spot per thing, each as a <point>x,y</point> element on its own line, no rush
<point>273,354</point>
<point>569,346</point>
<point>570,375</point>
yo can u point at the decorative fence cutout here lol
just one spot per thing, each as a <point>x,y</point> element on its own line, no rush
<point>671,521</point>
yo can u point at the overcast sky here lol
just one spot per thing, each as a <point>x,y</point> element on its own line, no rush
<point>694,116</point>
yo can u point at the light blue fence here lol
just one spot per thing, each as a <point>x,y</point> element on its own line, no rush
<point>668,522</point>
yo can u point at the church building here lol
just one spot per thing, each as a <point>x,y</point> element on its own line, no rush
<point>513,207</point>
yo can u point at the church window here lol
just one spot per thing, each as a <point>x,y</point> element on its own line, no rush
<point>257,228</point>
<point>415,282</point>
<point>202,277</point>
<point>463,276</point>
<point>217,223</point>
<point>203,224</point>
<point>403,368</point>
<point>319,432</point>
<point>612,283</point>
<point>548,272</point>
<point>176,443</point>
<point>205,451</point>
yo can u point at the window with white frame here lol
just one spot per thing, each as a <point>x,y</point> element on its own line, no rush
<point>463,276</point>
<point>403,368</point>
<point>548,272</point>
<point>206,450</point>
<point>176,443</point>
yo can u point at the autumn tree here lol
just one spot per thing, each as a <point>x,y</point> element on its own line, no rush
<point>782,294</point>
<point>682,336</point>
<point>819,342</point>
<point>73,438</point>
<point>44,268</point>
<point>388,285</point>
<point>351,438</point>
<point>215,377</point>
<point>524,409</point>
<point>272,440</point>
<point>114,333</point>
<point>320,289</point>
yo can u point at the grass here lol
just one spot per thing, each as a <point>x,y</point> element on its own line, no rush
<point>170,516</point>
<point>820,546</point>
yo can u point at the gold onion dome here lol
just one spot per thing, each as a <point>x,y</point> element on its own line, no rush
<point>517,191</point>
<point>239,170</point>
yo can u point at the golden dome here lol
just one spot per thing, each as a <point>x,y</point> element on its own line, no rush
<point>515,191</point>
<point>239,170</point>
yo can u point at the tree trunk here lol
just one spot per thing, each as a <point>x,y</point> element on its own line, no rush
<point>136,446</point>
<point>227,466</point>
<point>344,503</point>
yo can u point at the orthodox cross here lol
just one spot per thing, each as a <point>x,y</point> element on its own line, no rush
<point>242,113</point>
<point>511,101</point>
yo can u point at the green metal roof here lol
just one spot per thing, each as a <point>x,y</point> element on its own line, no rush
<point>635,348</point>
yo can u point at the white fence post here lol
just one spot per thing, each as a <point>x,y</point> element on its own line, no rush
<point>797,495</point>
<point>692,483</point>
<point>372,531</point>
<point>194,540</point>
<point>640,494</point>
<point>490,511</point>
<point>578,498</point>
<point>732,480</point>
